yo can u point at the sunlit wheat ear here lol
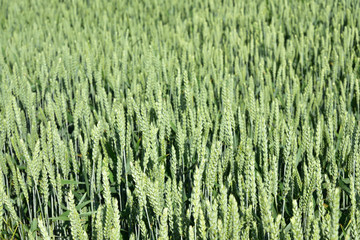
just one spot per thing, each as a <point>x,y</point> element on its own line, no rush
<point>43,230</point>
<point>296,222</point>
<point>76,224</point>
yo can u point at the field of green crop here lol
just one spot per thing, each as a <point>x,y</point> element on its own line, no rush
<point>204,119</point>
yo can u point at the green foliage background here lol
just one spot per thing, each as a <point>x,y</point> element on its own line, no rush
<point>179,119</point>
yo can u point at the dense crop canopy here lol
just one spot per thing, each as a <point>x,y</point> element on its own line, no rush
<point>186,119</point>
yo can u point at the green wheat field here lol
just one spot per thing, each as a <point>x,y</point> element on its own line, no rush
<point>203,119</point>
